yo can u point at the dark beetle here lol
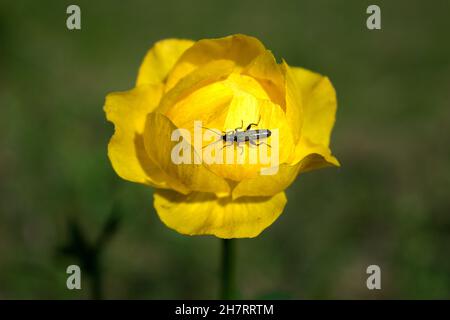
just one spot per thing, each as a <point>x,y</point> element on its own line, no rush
<point>246,135</point>
<point>252,136</point>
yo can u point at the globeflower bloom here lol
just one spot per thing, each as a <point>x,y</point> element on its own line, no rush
<point>222,83</point>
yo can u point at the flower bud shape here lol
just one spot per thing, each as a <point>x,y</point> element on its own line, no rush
<point>234,87</point>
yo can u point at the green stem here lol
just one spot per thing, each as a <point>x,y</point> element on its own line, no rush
<point>96,286</point>
<point>227,269</point>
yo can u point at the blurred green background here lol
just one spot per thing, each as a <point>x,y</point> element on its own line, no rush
<point>388,205</point>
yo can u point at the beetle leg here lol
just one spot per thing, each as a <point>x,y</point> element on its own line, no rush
<point>253,124</point>
<point>265,144</point>
<point>229,132</point>
<point>258,144</point>
<point>227,145</point>
<point>214,142</point>
<point>241,147</point>
<point>242,125</point>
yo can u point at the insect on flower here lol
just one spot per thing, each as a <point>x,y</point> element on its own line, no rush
<point>221,82</point>
<point>252,136</point>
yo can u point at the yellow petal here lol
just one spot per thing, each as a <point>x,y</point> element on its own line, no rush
<point>204,214</point>
<point>160,59</point>
<point>183,177</point>
<point>241,83</point>
<point>305,148</point>
<point>319,105</point>
<point>249,101</point>
<point>265,69</point>
<point>267,185</point>
<point>210,103</point>
<point>203,76</point>
<point>246,109</point>
<point>128,111</point>
<point>240,49</point>
<point>294,105</point>
<point>207,104</point>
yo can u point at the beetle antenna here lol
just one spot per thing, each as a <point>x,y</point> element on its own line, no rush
<point>212,131</point>
<point>211,143</point>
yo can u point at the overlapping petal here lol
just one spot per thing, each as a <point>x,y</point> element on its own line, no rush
<point>264,68</point>
<point>294,102</point>
<point>205,214</point>
<point>271,117</point>
<point>238,49</point>
<point>184,177</point>
<point>128,112</point>
<point>160,59</point>
<point>208,104</point>
<point>317,110</point>
<point>225,83</point>
<point>312,157</point>
<point>202,76</point>
<point>319,105</point>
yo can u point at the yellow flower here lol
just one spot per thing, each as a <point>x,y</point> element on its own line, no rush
<point>220,82</point>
